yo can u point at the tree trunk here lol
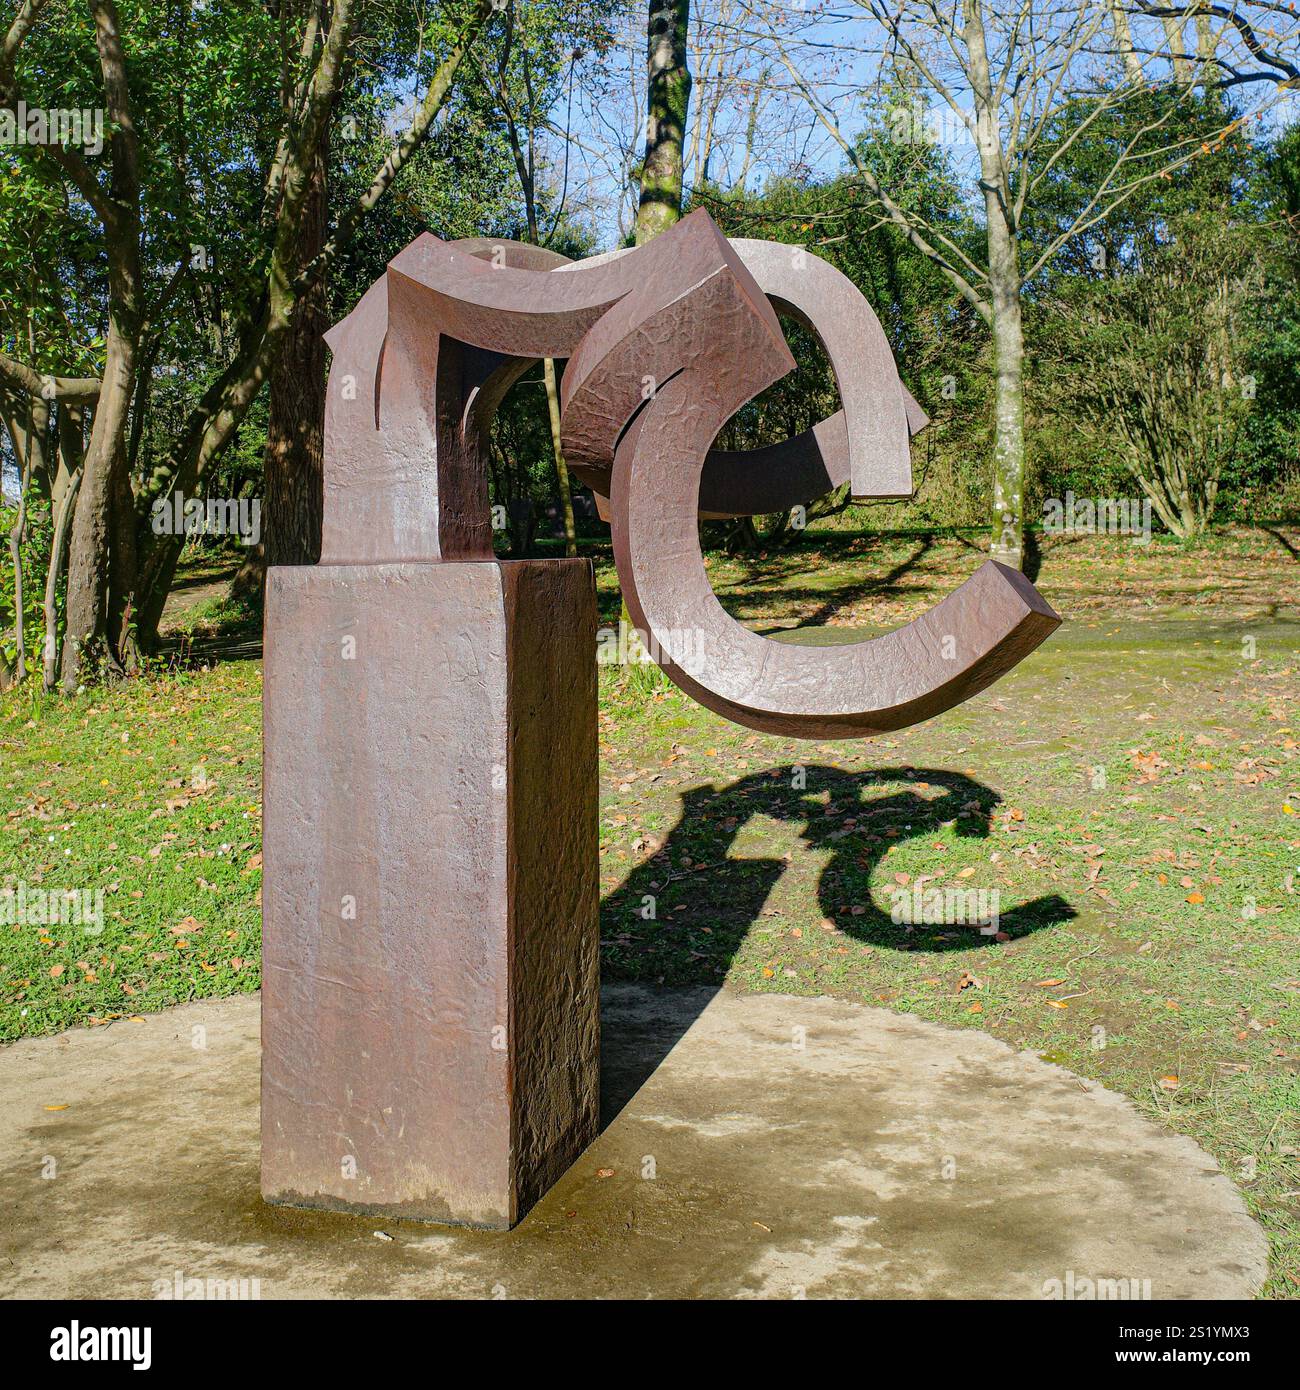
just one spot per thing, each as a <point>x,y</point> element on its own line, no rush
<point>53,573</point>
<point>86,631</point>
<point>1005,309</point>
<point>525,169</point>
<point>27,419</point>
<point>1182,67</point>
<point>669,102</point>
<point>16,558</point>
<point>1009,431</point>
<point>106,477</point>
<point>262,338</point>
<point>209,430</point>
<point>123,575</point>
<point>561,468</point>
<point>751,128</point>
<point>63,498</point>
<point>1133,73</point>
<point>70,436</point>
<point>1207,46</point>
<point>295,436</point>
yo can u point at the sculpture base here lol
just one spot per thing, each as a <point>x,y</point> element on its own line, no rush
<point>430,1022</point>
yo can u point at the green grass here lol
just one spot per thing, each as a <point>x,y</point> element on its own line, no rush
<point>1132,792</point>
<point>151,793</point>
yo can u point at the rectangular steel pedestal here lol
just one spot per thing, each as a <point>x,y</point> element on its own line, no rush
<point>430,1024</point>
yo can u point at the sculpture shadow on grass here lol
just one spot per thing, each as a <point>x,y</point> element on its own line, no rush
<point>705,900</point>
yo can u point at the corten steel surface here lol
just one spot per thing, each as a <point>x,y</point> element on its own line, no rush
<point>430,1028</point>
<point>665,343</point>
<point>445,778</point>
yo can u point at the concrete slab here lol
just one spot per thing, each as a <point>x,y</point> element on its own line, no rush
<point>756,1146</point>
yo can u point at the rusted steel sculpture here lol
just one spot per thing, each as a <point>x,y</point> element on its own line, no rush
<point>430,1009</point>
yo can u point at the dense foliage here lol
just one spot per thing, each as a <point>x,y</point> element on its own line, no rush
<point>1162,339</point>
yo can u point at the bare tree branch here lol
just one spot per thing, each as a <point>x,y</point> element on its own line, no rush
<point>1249,37</point>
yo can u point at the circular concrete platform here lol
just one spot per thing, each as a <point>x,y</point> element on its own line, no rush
<point>757,1146</point>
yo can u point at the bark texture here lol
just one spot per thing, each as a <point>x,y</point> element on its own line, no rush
<point>294,487</point>
<point>669,101</point>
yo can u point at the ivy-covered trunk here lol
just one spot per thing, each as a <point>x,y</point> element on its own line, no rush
<point>294,490</point>
<point>669,100</point>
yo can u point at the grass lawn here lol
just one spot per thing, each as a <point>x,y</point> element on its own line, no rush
<point>1132,793</point>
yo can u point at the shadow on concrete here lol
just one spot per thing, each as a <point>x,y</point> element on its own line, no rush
<point>705,901</point>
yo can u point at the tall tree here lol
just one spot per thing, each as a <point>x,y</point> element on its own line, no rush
<point>669,98</point>
<point>1005,72</point>
<point>144,209</point>
<point>101,575</point>
<point>293,468</point>
<point>98,594</point>
<point>266,337</point>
